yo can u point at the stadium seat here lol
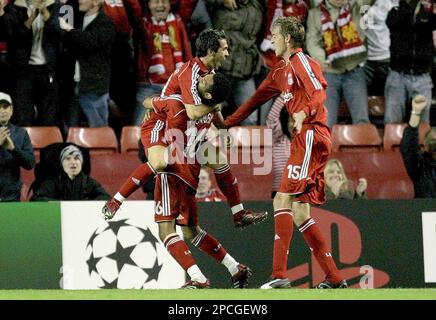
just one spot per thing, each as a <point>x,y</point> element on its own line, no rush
<point>43,136</point>
<point>356,138</point>
<point>130,136</point>
<point>394,132</point>
<point>112,169</point>
<point>27,178</point>
<point>383,183</point>
<point>101,140</point>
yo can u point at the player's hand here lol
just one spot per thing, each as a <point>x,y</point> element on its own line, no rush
<point>299,118</point>
<point>147,115</point>
<point>419,103</point>
<point>362,186</point>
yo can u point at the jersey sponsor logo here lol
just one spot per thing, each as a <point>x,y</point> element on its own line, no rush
<point>287,96</point>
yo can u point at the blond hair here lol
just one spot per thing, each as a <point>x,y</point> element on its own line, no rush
<point>293,27</point>
<point>338,163</point>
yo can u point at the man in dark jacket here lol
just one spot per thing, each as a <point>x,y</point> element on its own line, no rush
<point>421,166</point>
<point>33,40</point>
<point>71,183</point>
<point>15,152</point>
<point>411,24</point>
<point>91,45</point>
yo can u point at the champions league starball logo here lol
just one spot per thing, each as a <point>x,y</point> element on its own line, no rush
<point>123,256</point>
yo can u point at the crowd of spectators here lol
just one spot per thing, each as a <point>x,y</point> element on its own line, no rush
<point>92,62</point>
<point>70,63</point>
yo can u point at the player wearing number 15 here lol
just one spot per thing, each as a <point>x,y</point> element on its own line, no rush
<point>300,81</point>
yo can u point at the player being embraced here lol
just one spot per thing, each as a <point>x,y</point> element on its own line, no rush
<point>212,49</point>
<point>175,189</point>
<point>299,80</point>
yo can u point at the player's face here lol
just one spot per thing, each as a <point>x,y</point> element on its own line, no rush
<point>159,9</point>
<point>72,165</point>
<point>204,83</point>
<point>278,41</point>
<point>5,115</point>
<point>221,54</point>
<point>204,182</point>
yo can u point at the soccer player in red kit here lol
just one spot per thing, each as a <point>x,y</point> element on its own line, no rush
<point>212,49</point>
<point>175,189</point>
<point>299,79</point>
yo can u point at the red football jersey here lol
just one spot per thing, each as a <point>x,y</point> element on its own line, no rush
<point>301,84</point>
<point>185,136</point>
<point>184,81</point>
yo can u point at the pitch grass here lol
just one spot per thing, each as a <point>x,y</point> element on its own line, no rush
<point>221,294</point>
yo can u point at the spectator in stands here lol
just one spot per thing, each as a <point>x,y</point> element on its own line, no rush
<point>336,41</point>
<point>165,47</point>
<point>5,70</point>
<point>71,183</point>
<point>277,121</point>
<point>91,46</point>
<point>410,24</point>
<point>30,30</point>
<point>15,152</point>
<point>378,42</point>
<point>242,21</point>
<point>126,15</point>
<point>337,185</point>
<point>205,192</point>
<point>421,166</point>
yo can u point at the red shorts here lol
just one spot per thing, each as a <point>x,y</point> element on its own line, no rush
<point>174,200</point>
<point>153,133</point>
<point>304,172</point>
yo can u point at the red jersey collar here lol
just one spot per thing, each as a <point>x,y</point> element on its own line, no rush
<point>203,68</point>
<point>295,52</point>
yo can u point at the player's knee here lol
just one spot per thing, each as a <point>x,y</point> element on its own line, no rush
<point>301,212</point>
<point>281,201</point>
<point>189,233</point>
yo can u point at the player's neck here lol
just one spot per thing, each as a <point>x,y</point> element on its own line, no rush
<point>287,55</point>
<point>207,61</point>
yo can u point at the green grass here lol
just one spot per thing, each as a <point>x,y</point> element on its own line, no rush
<point>221,294</point>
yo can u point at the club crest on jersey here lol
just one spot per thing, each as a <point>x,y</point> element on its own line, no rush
<point>290,79</point>
<point>287,96</point>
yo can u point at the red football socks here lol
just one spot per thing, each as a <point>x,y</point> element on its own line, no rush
<point>228,184</point>
<point>180,251</point>
<point>136,179</point>
<point>209,245</point>
<point>316,243</point>
<point>283,228</point>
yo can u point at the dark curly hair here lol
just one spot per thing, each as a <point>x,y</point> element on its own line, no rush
<point>220,90</point>
<point>209,39</point>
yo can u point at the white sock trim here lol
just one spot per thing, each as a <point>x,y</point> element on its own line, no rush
<point>195,274</point>
<point>119,197</point>
<point>237,208</point>
<point>230,263</point>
